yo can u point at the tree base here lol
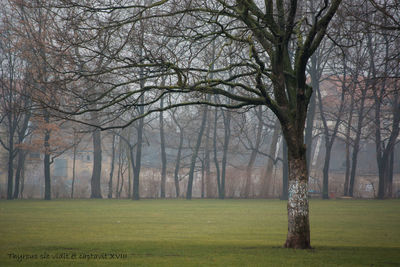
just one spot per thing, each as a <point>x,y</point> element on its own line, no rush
<point>297,243</point>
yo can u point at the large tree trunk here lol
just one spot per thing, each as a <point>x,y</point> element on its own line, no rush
<point>96,173</point>
<point>285,170</point>
<point>298,223</point>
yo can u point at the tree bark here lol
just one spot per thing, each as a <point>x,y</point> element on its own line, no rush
<point>298,236</point>
<point>285,170</point>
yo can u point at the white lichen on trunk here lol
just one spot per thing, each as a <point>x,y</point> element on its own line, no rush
<point>298,211</point>
<point>298,201</point>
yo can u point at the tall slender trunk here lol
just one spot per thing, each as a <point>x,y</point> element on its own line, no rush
<point>21,153</point>
<point>353,166</point>
<point>46,165</point>
<point>163,154</point>
<point>132,160</point>
<point>10,179</point>
<point>215,149</point>
<point>18,172</point>
<point>110,181</point>
<point>315,77</point>
<point>21,193</point>
<point>207,167</point>
<point>73,168</point>
<point>118,170</point>
<point>140,127</point>
<point>96,173</point>
<point>128,155</point>
<point>195,153</point>
<point>325,172</point>
<point>347,171</point>
<point>389,184</point>
<point>122,178</point>
<point>267,181</point>
<point>227,138</point>
<point>249,172</point>
<point>330,136</point>
<point>136,172</point>
<point>356,146</point>
<point>177,164</point>
<point>253,156</point>
<point>348,140</point>
<point>203,167</point>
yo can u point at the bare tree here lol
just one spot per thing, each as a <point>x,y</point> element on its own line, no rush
<point>278,39</point>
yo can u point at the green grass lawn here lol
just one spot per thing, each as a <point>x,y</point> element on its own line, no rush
<point>195,233</point>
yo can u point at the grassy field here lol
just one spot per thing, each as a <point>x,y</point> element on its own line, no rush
<point>195,233</point>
